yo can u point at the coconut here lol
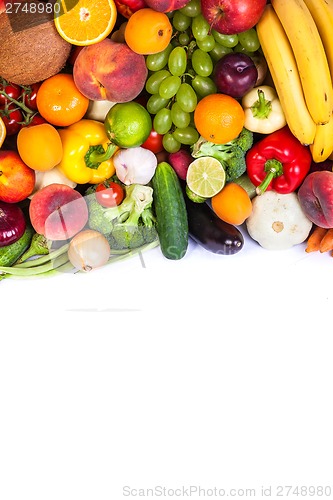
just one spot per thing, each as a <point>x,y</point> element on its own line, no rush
<point>31,48</point>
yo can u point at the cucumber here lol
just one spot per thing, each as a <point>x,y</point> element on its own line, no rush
<point>170,210</point>
<point>10,253</point>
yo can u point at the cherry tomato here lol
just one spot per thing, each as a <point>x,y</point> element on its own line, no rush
<point>12,120</point>
<point>37,119</point>
<point>109,195</point>
<point>154,142</point>
<point>30,96</point>
<point>12,90</point>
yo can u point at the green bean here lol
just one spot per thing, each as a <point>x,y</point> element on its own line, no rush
<point>37,270</point>
<point>43,259</point>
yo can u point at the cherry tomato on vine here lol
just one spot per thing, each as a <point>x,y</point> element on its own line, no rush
<point>12,90</point>
<point>12,119</point>
<point>154,142</point>
<point>30,96</point>
<point>109,195</point>
<point>37,119</point>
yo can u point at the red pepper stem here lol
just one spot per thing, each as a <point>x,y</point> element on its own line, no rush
<point>274,169</point>
<point>96,157</point>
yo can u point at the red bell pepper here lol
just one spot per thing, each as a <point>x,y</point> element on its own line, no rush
<point>279,162</point>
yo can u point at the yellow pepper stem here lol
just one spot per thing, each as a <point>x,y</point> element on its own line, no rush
<point>96,157</point>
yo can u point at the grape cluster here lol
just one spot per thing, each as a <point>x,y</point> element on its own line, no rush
<point>181,74</point>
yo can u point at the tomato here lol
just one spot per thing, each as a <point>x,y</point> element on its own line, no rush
<point>109,195</point>
<point>30,96</point>
<point>12,90</point>
<point>12,119</point>
<point>36,119</point>
<point>154,142</point>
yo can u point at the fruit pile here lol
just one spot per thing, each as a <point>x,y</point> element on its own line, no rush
<point>153,115</point>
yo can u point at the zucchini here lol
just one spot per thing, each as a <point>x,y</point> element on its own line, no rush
<point>10,253</point>
<point>170,210</point>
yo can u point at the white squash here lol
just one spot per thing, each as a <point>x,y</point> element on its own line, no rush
<point>277,221</point>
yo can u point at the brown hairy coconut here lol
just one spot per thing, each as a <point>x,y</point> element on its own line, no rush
<point>31,49</point>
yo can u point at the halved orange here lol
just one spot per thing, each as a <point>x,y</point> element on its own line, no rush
<point>3,131</point>
<point>87,22</point>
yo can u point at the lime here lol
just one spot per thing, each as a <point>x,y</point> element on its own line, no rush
<point>128,124</point>
<point>194,197</point>
<point>205,176</point>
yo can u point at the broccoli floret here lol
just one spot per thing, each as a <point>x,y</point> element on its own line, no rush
<point>231,154</point>
<point>129,225</point>
<point>244,140</point>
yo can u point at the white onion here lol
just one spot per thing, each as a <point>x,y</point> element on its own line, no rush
<point>88,250</point>
<point>135,165</point>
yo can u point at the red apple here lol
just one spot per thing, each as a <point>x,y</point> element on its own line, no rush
<point>232,16</point>
<point>127,7</point>
<point>17,180</point>
<point>316,198</point>
<point>58,212</point>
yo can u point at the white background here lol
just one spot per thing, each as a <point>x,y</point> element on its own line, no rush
<point>210,372</point>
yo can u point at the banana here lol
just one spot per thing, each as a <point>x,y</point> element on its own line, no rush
<point>310,56</point>
<point>283,70</point>
<point>322,146</point>
<point>322,13</point>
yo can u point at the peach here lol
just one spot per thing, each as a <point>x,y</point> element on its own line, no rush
<point>110,70</point>
<point>166,5</point>
<point>316,198</point>
<point>58,212</point>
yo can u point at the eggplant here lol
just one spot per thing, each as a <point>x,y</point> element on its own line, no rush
<point>210,232</point>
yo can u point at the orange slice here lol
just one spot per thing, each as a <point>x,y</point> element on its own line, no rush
<point>87,22</point>
<point>2,132</point>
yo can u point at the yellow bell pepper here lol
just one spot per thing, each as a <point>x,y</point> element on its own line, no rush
<point>87,152</point>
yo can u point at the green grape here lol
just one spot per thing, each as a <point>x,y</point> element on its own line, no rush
<point>169,87</point>
<point>162,121</point>
<point>155,79</point>
<point>207,44</point>
<point>177,61</point>
<point>200,27</point>
<point>187,98</point>
<point>202,63</point>
<point>192,9</point>
<point>188,135</point>
<point>229,41</point>
<point>155,103</point>
<point>249,40</point>
<point>184,38</point>
<point>170,144</point>
<point>239,48</point>
<point>180,118</point>
<point>158,61</point>
<point>203,85</point>
<point>219,51</point>
<point>180,21</point>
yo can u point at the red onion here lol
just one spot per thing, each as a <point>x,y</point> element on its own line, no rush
<point>12,223</point>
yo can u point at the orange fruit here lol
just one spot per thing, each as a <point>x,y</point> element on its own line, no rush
<point>87,22</point>
<point>60,102</point>
<point>232,204</point>
<point>219,118</point>
<point>3,131</point>
<point>148,31</point>
<point>40,146</point>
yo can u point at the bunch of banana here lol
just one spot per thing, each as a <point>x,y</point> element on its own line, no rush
<point>295,39</point>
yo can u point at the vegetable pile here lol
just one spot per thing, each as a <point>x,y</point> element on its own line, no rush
<point>171,125</point>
